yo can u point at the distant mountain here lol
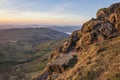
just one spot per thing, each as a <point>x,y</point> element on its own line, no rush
<point>65,29</point>
<point>32,35</point>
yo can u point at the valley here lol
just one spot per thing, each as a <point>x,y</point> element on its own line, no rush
<point>24,52</point>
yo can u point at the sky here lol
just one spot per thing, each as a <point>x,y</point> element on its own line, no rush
<point>55,12</point>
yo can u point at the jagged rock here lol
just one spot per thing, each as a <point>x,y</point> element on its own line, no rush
<point>113,8</point>
<point>88,26</point>
<point>95,31</point>
<point>115,18</point>
<point>111,14</point>
<point>102,13</point>
<point>71,42</point>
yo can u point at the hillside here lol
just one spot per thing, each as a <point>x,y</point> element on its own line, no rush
<point>92,53</point>
<point>24,52</point>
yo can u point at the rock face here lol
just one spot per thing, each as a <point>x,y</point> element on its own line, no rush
<point>95,31</point>
<point>104,27</point>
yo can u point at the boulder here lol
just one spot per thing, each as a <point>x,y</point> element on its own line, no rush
<point>63,62</point>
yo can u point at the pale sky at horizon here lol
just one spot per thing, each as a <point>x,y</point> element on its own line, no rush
<point>58,12</point>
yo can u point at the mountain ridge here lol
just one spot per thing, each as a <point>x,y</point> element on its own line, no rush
<point>30,34</point>
<point>92,53</point>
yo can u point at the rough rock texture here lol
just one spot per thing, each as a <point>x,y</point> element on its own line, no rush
<point>70,44</point>
<point>95,30</point>
<point>117,15</point>
<point>106,26</point>
<point>111,14</point>
<point>62,62</point>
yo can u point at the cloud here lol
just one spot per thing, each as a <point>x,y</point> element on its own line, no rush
<point>62,7</point>
<point>29,11</point>
<point>40,17</point>
<point>3,1</point>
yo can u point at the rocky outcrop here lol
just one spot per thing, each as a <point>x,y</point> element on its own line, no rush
<point>70,44</point>
<point>104,27</point>
<point>111,14</point>
<point>95,31</point>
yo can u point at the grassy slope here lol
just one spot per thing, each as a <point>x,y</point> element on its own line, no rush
<point>100,61</point>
